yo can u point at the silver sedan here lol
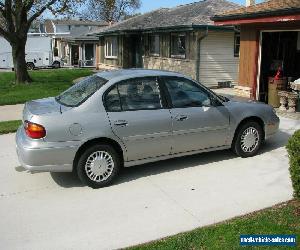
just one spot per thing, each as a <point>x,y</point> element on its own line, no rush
<point>128,117</point>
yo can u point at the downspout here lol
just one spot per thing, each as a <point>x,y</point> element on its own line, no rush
<point>198,54</point>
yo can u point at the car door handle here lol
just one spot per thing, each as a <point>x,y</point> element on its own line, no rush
<point>181,117</point>
<point>121,123</point>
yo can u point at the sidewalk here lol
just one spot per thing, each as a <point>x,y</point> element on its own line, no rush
<point>11,112</point>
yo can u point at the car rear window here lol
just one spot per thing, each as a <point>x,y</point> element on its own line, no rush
<point>81,91</point>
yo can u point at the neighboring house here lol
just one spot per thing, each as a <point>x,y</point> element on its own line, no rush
<point>270,38</point>
<point>71,43</point>
<point>36,27</point>
<point>182,39</point>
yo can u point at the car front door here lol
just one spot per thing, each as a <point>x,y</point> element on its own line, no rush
<point>138,117</point>
<point>198,120</point>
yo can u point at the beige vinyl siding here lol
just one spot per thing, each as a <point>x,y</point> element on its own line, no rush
<point>217,61</point>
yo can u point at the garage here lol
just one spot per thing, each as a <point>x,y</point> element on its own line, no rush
<point>280,57</point>
<point>269,66</point>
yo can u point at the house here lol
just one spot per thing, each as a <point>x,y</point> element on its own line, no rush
<point>269,41</point>
<point>70,41</point>
<point>182,39</point>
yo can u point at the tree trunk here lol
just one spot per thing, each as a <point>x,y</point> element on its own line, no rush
<point>18,53</point>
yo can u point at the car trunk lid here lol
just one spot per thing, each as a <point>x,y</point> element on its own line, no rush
<point>42,107</point>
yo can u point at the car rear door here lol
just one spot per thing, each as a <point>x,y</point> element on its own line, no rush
<point>198,120</point>
<point>138,117</point>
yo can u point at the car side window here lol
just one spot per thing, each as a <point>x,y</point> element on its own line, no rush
<point>112,100</point>
<point>140,94</point>
<point>185,93</point>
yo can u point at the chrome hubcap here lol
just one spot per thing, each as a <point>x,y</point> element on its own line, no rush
<point>99,166</point>
<point>249,140</point>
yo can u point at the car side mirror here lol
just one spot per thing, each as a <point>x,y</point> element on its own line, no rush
<point>207,103</point>
<point>213,102</point>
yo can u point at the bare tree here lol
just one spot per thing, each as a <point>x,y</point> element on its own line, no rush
<point>16,17</point>
<point>110,10</point>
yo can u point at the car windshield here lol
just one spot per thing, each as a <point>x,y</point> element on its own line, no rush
<point>81,91</point>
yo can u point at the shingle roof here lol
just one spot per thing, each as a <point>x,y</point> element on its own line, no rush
<point>80,29</point>
<point>197,13</point>
<point>268,8</point>
<point>78,22</point>
<point>79,34</point>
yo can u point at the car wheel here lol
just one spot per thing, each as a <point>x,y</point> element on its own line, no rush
<point>30,66</point>
<point>56,65</point>
<point>248,139</point>
<point>98,166</point>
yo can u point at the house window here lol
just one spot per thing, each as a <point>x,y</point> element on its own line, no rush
<point>178,43</point>
<point>154,45</point>
<point>237,39</point>
<point>111,47</point>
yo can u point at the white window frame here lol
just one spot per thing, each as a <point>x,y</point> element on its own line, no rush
<point>108,48</point>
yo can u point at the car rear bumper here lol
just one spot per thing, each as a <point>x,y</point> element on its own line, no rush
<point>41,156</point>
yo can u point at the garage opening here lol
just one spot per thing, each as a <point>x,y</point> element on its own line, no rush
<point>280,55</point>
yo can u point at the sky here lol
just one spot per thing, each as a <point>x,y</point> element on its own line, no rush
<point>148,5</point>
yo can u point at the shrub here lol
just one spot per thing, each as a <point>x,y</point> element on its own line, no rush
<point>293,148</point>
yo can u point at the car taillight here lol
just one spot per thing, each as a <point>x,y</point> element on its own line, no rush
<point>34,131</point>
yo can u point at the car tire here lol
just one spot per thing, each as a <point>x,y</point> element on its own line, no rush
<point>98,165</point>
<point>56,65</point>
<point>248,139</point>
<point>30,66</point>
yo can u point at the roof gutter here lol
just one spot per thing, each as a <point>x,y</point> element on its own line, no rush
<point>199,40</point>
<point>264,20</point>
<point>163,29</point>
<point>256,15</point>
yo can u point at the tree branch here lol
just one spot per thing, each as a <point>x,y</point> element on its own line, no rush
<point>5,34</point>
<point>29,5</point>
<point>8,16</point>
<point>39,12</point>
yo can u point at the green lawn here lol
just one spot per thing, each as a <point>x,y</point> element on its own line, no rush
<point>280,219</point>
<point>9,126</point>
<point>45,83</point>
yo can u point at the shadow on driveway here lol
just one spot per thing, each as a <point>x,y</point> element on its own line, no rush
<point>69,180</point>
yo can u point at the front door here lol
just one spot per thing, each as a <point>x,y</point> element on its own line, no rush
<point>89,54</point>
<point>137,52</point>
<point>199,122</point>
<point>75,54</point>
<point>132,56</point>
<point>138,118</point>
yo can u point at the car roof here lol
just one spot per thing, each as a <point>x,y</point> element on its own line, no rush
<point>123,74</point>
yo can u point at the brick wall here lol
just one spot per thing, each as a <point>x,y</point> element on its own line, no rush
<point>183,66</point>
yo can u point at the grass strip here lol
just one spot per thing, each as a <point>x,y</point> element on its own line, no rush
<point>45,83</point>
<point>9,126</point>
<point>280,219</point>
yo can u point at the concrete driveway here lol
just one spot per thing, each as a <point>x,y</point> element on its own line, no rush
<point>54,211</point>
